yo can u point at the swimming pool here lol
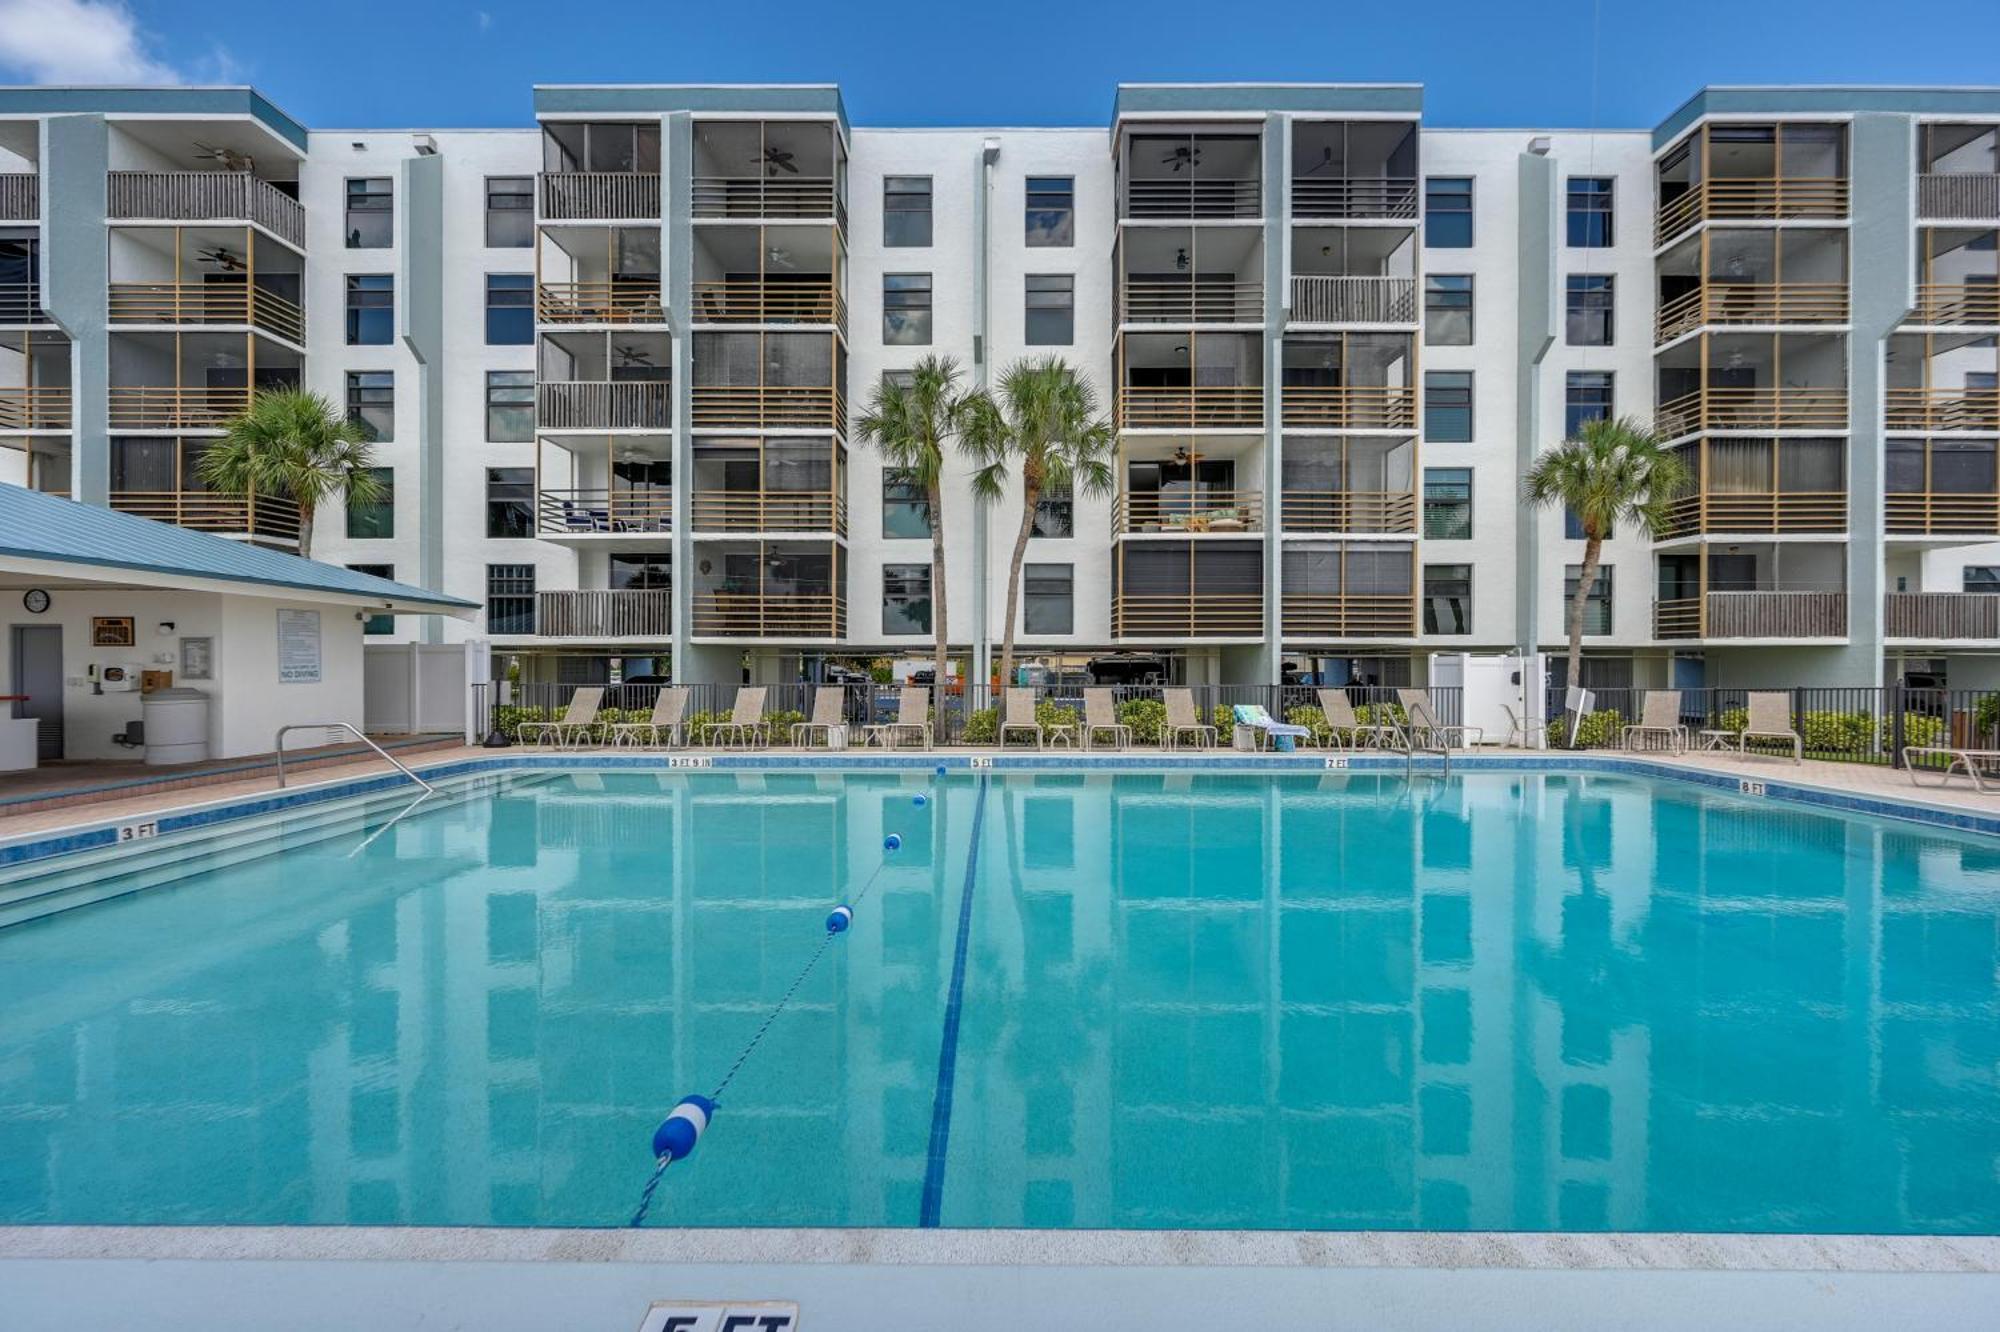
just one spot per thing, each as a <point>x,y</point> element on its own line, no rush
<point>1509,1001</point>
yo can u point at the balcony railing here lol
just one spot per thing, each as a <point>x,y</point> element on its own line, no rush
<point>1350,511</point>
<point>594,512</point>
<point>1349,615</point>
<point>766,196</point>
<point>1324,299</point>
<point>769,615</point>
<point>806,407</point>
<point>180,303</point>
<point>1376,196</point>
<point>1933,513</point>
<point>609,613</point>
<point>1957,303</point>
<point>21,303</point>
<point>595,404</point>
<point>1783,512</point>
<point>1186,197</point>
<point>1356,407</point>
<point>1215,407</point>
<point>621,301</point>
<point>262,517</point>
<point>1971,195</point>
<point>151,408</point>
<point>1188,615</point>
<point>770,511</point>
<point>1941,616</point>
<point>205,196</point>
<point>1219,511</point>
<point>34,409</point>
<point>1166,301</point>
<point>1752,303</point>
<point>576,196</point>
<point>1754,409</point>
<point>1942,409</point>
<point>1768,197</point>
<point>749,301</point>
<point>20,196</point>
<point>1772,614</point>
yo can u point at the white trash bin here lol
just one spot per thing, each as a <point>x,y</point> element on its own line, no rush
<point>176,726</point>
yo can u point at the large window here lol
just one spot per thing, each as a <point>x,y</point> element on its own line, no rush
<point>1587,309</point>
<point>635,572</point>
<point>1448,406</point>
<point>1448,212</point>
<point>1051,210</point>
<point>377,624</point>
<point>375,521</point>
<point>510,502</point>
<point>1586,397</point>
<point>1447,598</point>
<point>510,599</point>
<point>1448,309</point>
<point>906,598</point>
<point>906,309</point>
<point>510,406</point>
<point>510,309</point>
<point>906,509</point>
<point>371,309</point>
<point>1597,609</point>
<point>1982,578</point>
<point>1051,314</point>
<point>1589,208</point>
<point>371,213</point>
<point>906,212</point>
<point>371,403</point>
<point>510,212</point>
<point>1048,598</point>
<point>1448,503</point>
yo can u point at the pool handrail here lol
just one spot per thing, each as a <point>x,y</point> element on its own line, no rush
<point>278,744</point>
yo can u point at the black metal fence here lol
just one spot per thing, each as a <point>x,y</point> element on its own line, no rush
<point>1843,723</point>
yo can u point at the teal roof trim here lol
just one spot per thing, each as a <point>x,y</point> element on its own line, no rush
<point>1778,102</point>
<point>220,101</point>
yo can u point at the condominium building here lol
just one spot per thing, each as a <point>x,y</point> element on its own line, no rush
<point>612,364</point>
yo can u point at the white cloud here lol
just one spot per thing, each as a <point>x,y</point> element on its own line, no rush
<point>77,41</point>
<point>485,21</point>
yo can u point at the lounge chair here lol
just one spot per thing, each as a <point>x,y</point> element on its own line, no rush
<point>1424,727</point>
<point>1660,715</point>
<point>1770,718</point>
<point>669,716</point>
<point>573,727</point>
<point>1100,714</point>
<point>1253,718</point>
<point>1981,766</point>
<point>1530,734</point>
<point>1343,727</point>
<point>1019,715</point>
<point>913,718</point>
<point>1183,720</point>
<point>746,724</point>
<point>829,711</point>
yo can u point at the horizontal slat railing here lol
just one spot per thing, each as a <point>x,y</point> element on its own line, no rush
<point>1754,409</point>
<point>1762,197</point>
<point>770,511</point>
<point>1957,303</point>
<point>1940,514</point>
<point>1941,616</point>
<point>598,511</point>
<point>210,511</point>
<point>1350,511</point>
<point>624,301</point>
<point>769,615</point>
<point>20,196</point>
<point>1942,409</point>
<point>1219,511</point>
<point>765,196</point>
<point>1350,615</point>
<point>1160,301</point>
<point>1188,197</point>
<point>580,404</point>
<point>34,408</point>
<point>748,301</point>
<point>1760,512</point>
<point>180,303</point>
<point>1220,407</point>
<point>599,195</point>
<point>1323,299</point>
<point>804,406</point>
<point>1196,615</point>
<point>148,408</point>
<point>1971,195</point>
<point>605,613</point>
<point>1357,407</point>
<point>21,303</point>
<point>1727,303</point>
<point>1361,196</point>
<point>203,196</point>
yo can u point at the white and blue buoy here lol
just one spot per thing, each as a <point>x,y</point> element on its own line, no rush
<point>940,769</point>
<point>677,1134</point>
<point>918,800</point>
<point>893,842</point>
<point>839,919</point>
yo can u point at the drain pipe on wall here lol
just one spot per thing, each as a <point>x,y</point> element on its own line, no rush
<point>982,378</point>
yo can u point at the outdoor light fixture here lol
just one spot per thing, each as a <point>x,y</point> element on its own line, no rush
<point>1181,259</point>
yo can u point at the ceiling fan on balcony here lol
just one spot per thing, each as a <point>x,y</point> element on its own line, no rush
<point>775,159</point>
<point>230,159</point>
<point>225,259</point>
<point>1186,155</point>
<point>632,355</point>
<point>779,257</point>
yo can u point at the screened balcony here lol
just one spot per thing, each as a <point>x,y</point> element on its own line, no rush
<point>770,484</point>
<point>618,380</point>
<point>1190,487</point>
<point>1753,383</point>
<point>1941,487</point>
<point>21,278</point>
<point>1761,487</point>
<point>191,381</point>
<point>769,275</point>
<point>41,463</point>
<point>1768,590</point>
<point>1947,382</point>
<point>750,170</point>
<point>1354,169</point>
<point>1187,589</point>
<point>20,171</point>
<point>1191,275</point>
<point>605,490</point>
<point>1958,171</point>
<point>1190,174</point>
<point>615,614</point>
<point>1189,381</point>
<point>1339,590</point>
<point>1958,277</point>
<point>1350,483</point>
<point>1769,277</point>
<point>599,275</point>
<point>600,170</point>
<point>212,170</point>
<point>769,589</point>
<point>771,381</point>
<point>1353,275</point>
<point>206,276</point>
<point>160,478</point>
<point>1725,170</point>
<point>34,380</point>
<point>1349,381</point>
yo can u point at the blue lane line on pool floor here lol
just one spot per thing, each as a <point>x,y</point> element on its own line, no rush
<point>933,1204</point>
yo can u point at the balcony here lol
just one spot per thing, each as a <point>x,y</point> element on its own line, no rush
<point>750,301</point>
<point>264,519</point>
<point>1182,513</point>
<point>21,303</point>
<point>1350,511</point>
<point>599,196</point>
<point>1350,615</point>
<point>1215,407</point>
<point>1354,300</point>
<point>1776,513</point>
<point>205,196</point>
<point>1959,196</point>
<point>1186,198</point>
<point>169,408</point>
<point>1357,407</point>
<point>1765,199</point>
<point>1942,409</point>
<point>604,405</point>
<point>1754,614</point>
<point>185,303</point>
<point>1188,615</point>
<point>800,407</point>
<point>1718,303</point>
<point>1944,303</point>
<point>1162,300</point>
<point>603,512</point>
<point>1941,616</point>
<point>620,301</point>
<point>1375,197</point>
<point>770,511</point>
<point>1753,409</point>
<point>1932,513</point>
<point>34,408</point>
<point>20,196</point>
<point>725,614</point>
<point>624,613</point>
<point>756,198</point>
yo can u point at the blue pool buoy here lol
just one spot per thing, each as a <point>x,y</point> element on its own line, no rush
<point>839,919</point>
<point>940,769</point>
<point>917,800</point>
<point>682,1128</point>
<point>893,842</point>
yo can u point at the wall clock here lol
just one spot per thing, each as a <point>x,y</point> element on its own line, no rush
<point>36,600</point>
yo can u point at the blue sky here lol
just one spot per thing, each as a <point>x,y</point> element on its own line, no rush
<point>402,63</point>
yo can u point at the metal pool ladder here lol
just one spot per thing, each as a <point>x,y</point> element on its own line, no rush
<point>331,728</point>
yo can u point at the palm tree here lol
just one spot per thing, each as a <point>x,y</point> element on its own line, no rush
<point>909,425</point>
<point>1046,415</point>
<point>297,445</point>
<point>1612,470</point>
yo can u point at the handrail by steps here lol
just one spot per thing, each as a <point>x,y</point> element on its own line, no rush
<point>278,744</point>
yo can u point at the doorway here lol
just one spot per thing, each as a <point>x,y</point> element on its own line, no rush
<point>37,660</point>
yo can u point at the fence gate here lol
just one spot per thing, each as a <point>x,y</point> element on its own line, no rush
<point>414,688</point>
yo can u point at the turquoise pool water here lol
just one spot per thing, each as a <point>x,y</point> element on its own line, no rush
<point>1504,1001</point>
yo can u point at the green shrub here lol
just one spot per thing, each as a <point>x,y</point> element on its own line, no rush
<point>1922,730</point>
<point>1146,716</point>
<point>981,726</point>
<point>1313,719</point>
<point>1224,720</point>
<point>1986,716</point>
<point>1598,728</point>
<point>1838,732</point>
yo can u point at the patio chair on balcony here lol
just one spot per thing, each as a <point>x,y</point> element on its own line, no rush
<point>746,724</point>
<point>913,719</point>
<point>1660,715</point>
<point>1344,728</point>
<point>573,727</point>
<point>1770,718</point>
<point>1100,717</point>
<point>1425,729</point>
<point>1184,720</point>
<point>669,718</point>
<point>1018,714</point>
<point>829,711</point>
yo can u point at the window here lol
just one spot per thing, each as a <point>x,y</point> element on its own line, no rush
<point>1048,598</point>
<point>1589,212</point>
<point>640,572</point>
<point>1586,397</point>
<point>1573,526</point>
<point>1982,577</point>
<point>1597,609</point>
<point>1051,210</point>
<point>510,406</point>
<point>510,212</point>
<point>377,521</point>
<point>1448,406</point>
<point>1448,212</point>
<point>371,309</point>
<point>1055,515</point>
<point>906,509</point>
<point>1587,306</point>
<point>371,403</point>
<point>1448,310</point>
<point>906,309</point>
<point>906,598</point>
<point>902,379</point>
<point>371,213</point>
<point>906,212</point>
<point>510,502</point>
<point>510,598</point>
<point>377,624</point>
<point>510,309</point>
<point>1448,503</point>
<point>1051,316</point>
<point>1447,598</point>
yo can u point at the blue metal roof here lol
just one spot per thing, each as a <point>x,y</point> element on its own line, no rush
<point>34,526</point>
